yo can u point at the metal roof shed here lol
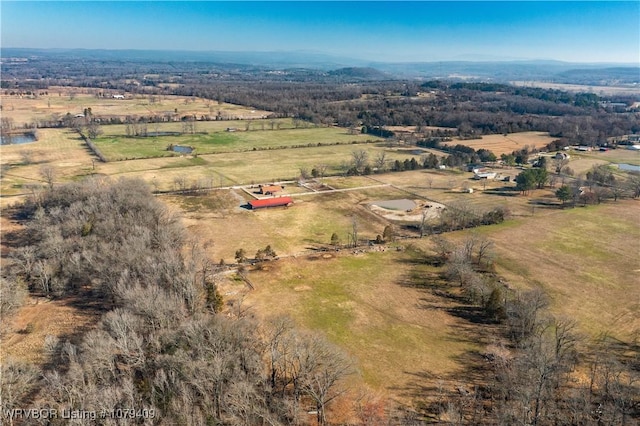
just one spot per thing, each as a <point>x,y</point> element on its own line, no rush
<point>270,202</point>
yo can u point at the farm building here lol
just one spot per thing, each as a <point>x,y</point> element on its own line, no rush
<point>270,189</point>
<point>270,202</point>
<point>485,175</point>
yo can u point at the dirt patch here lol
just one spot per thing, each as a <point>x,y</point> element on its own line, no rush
<point>406,210</point>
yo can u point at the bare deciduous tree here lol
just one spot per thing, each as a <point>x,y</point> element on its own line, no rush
<point>359,159</point>
<point>49,174</point>
<point>381,161</point>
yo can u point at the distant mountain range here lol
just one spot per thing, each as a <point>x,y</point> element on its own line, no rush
<point>487,70</point>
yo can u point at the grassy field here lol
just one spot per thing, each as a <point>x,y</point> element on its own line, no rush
<point>376,307</point>
<point>60,149</point>
<point>115,146</point>
<point>381,306</point>
<point>587,264</point>
<point>242,167</point>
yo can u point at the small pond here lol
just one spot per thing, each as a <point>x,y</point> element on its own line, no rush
<point>403,204</point>
<point>628,167</point>
<point>17,139</point>
<point>182,149</point>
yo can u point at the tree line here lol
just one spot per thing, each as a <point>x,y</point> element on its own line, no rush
<point>539,369</point>
<point>472,109</point>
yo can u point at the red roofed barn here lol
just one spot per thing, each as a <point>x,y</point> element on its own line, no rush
<point>271,202</point>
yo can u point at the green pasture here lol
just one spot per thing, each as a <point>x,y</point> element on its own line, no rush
<point>250,166</point>
<point>119,130</point>
<point>115,145</point>
<point>370,306</point>
<point>585,258</point>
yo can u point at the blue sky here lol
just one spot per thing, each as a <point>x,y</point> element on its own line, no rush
<point>386,31</point>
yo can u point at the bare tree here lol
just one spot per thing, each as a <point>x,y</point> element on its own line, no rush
<point>94,130</point>
<point>354,232</point>
<point>324,367</point>
<point>48,173</point>
<point>13,293</point>
<point>381,161</point>
<point>304,173</point>
<point>634,184</point>
<point>560,164</point>
<point>484,251</point>
<point>321,169</point>
<point>424,225</point>
<point>180,183</point>
<point>26,156</point>
<point>359,159</point>
<point>17,380</point>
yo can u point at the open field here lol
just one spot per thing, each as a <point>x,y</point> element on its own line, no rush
<point>542,246</point>
<point>24,336</point>
<point>59,149</point>
<point>587,265</point>
<point>116,146</point>
<point>243,167</point>
<point>598,90</point>
<point>68,155</point>
<point>619,155</point>
<point>308,224</point>
<point>229,126</point>
<point>501,144</point>
<point>376,307</point>
<point>581,162</point>
<point>59,101</point>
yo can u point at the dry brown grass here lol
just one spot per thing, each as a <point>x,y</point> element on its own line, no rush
<point>586,259</point>
<point>308,223</point>
<point>58,102</point>
<point>25,332</point>
<point>501,144</point>
<point>59,149</point>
